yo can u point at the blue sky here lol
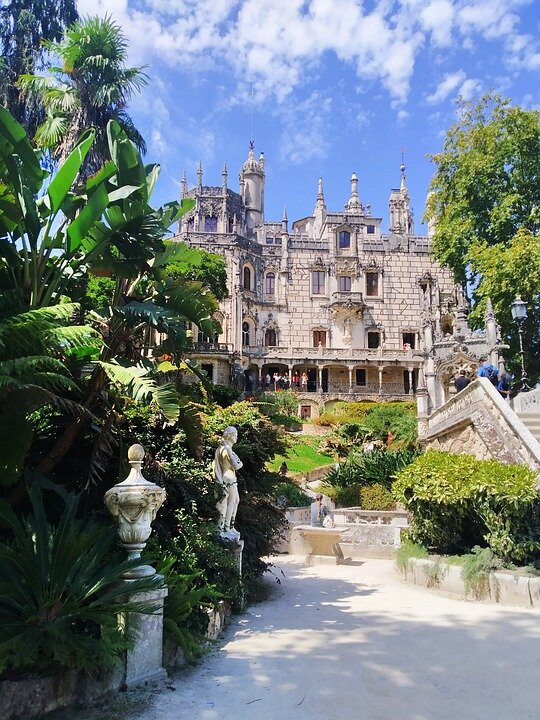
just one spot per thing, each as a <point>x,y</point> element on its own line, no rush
<point>330,87</point>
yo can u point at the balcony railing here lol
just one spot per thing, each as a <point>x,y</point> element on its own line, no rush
<point>212,347</point>
<point>297,354</point>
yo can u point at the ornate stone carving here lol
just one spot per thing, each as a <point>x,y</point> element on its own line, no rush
<point>135,503</point>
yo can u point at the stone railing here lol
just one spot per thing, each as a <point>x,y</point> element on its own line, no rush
<point>357,516</point>
<point>527,402</point>
<point>478,421</point>
<point>212,347</point>
<point>356,356</point>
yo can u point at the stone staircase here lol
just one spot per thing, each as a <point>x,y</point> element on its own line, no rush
<point>531,420</point>
<point>527,408</point>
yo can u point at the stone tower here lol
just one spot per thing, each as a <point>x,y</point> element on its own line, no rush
<point>401,216</point>
<point>252,189</point>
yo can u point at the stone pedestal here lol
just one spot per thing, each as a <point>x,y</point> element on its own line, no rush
<point>321,545</point>
<point>144,661</point>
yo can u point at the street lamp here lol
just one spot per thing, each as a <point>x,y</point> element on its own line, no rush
<point>519,315</point>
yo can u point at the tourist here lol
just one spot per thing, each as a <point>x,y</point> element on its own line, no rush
<point>267,381</point>
<point>303,381</point>
<point>319,511</point>
<point>461,381</point>
<point>283,469</point>
<point>503,386</point>
<point>296,379</point>
<point>275,379</point>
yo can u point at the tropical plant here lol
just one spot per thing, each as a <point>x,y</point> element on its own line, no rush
<point>24,24</point>
<point>34,348</point>
<point>366,468</point>
<point>184,617</point>
<point>90,87</point>
<point>61,592</point>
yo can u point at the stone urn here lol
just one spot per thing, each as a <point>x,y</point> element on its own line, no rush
<point>135,503</point>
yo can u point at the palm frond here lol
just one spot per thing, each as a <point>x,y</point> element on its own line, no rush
<point>138,384</point>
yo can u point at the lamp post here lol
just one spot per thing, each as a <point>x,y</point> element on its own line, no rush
<point>519,315</point>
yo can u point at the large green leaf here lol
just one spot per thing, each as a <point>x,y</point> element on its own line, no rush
<point>15,141</point>
<point>138,384</point>
<point>90,214</point>
<point>68,171</point>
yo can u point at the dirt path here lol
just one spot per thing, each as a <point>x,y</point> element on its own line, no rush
<point>355,642</point>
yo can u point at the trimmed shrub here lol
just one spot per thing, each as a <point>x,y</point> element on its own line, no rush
<point>458,502</point>
<point>376,497</point>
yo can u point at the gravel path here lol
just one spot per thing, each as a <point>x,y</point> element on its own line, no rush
<point>354,642</point>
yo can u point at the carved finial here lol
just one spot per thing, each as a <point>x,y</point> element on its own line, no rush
<point>199,175</point>
<point>262,160</point>
<point>136,453</point>
<point>490,315</point>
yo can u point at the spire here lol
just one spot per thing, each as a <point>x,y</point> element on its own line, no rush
<point>285,221</point>
<point>199,176</point>
<point>262,160</point>
<point>403,186</point>
<point>184,184</point>
<point>320,194</point>
<point>252,165</point>
<point>353,203</point>
<point>224,176</point>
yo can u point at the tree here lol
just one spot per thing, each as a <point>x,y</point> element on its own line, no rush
<point>50,242</point>
<point>91,86</point>
<point>484,202</point>
<point>23,27</point>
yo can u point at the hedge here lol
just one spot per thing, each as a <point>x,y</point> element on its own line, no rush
<point>458,502</point>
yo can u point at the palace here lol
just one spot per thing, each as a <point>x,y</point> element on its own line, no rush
<point>366,315</point>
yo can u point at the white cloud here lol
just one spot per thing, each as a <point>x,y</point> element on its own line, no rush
<point>447,86</point>
<point>279,44</point>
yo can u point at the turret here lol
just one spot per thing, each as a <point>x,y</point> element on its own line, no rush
<point>354,204</point>
<point>252,189</point>
<point>401,217</point>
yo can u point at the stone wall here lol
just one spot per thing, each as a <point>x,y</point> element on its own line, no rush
<point>479,422</point>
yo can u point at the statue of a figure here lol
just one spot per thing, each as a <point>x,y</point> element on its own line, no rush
<point>226,463</point>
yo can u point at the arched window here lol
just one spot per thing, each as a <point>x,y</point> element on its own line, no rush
<point>270,285</point>
<point>344,239</point>
<point>270,338</point>
<point>210,223</point>
<point>247,278</point>
<point>245,334</point>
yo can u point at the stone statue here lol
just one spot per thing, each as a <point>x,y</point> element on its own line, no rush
<point>226,463</point>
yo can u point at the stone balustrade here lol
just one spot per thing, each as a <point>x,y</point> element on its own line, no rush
<point>480,422</point>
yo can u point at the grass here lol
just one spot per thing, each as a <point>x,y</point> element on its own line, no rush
<point>302,456</point>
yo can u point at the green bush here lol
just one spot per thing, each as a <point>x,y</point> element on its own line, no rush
<point>391,423</point>
<point>343,495</point>
<point>295,496</point>
<point>376,497</point>
<point>407,550</point>
<point>458,502</point>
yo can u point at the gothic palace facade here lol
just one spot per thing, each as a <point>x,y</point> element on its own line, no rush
<point>329,295</point>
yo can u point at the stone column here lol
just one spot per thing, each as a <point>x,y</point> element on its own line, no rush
<point>411,378</point>
<point>290,377</point>
<point>319,379</point>
<point>380,368</point>
<point>351,370</point>
<point>135,503</point>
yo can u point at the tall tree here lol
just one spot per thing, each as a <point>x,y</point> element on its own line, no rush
<point>23,27</point>
<point>90,87</point>
<point>484,203</point>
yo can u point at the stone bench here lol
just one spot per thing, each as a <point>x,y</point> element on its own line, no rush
<point>319,545</point>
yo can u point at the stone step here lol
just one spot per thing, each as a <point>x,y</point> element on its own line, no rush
<point>532,423</point>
